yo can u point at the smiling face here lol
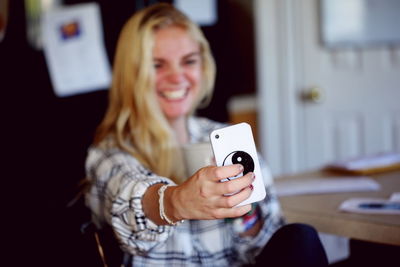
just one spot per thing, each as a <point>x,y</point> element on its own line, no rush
<point>178,66</point>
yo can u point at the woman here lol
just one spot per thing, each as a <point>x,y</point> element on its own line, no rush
<point>163,71</point>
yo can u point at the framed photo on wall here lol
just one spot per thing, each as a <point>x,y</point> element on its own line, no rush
<point>359,23</point>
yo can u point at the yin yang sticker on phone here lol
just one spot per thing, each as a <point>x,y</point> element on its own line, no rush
<point>239,157</point>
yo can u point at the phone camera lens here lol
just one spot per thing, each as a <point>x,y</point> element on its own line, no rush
<point>216,136</point>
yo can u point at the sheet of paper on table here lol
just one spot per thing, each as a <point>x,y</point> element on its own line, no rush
<point>395,197</point>
<point>325,185</point>
<point>369,164</point>
<point>371,206</point>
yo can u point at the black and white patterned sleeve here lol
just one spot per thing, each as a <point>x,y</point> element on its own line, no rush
<point>118,183</point>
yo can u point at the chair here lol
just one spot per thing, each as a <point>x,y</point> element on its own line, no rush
<point>99,244</point>
<point>105,244</point>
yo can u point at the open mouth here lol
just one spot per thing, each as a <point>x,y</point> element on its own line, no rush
<point>174,94</point>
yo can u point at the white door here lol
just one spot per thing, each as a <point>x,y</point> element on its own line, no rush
<point>359,112</point>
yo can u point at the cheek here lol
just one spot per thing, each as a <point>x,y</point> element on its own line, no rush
<point>158,79</point>
<point>195,78</point>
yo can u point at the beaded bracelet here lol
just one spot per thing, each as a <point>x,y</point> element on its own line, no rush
<point>163,216</point>
<point>245,222</point>
<point>250,219</point>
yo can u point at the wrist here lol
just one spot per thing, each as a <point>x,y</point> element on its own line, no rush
<point>150,204</point>
<point>171,210</point>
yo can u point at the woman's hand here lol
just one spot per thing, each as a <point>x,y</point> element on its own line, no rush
<point>203,196</point>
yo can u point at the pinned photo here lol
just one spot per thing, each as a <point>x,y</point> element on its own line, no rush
<point>70,30</point>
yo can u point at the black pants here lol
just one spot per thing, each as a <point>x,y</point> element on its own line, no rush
<point>293,245</point>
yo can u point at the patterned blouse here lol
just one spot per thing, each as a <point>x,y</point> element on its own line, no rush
<point>118,184</point>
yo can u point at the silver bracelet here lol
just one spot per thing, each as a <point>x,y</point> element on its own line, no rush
<point>161,206</point>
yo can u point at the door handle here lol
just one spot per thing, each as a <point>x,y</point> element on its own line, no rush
<point>313,95</point>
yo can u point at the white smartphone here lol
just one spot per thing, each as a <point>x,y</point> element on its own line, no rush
<point>235,144</point>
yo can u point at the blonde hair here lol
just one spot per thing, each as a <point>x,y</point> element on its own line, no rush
<point>134,119</point>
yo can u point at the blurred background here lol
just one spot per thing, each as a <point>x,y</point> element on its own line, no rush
<point>314,89</point>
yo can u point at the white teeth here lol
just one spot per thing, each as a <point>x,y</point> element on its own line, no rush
<point>173,95</point>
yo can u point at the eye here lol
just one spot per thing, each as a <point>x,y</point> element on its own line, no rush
<point>157,65</point>
<point>240,157</point>
<point>191,61</point>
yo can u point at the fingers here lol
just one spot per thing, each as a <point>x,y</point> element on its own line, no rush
<point>233,200</point>
<point>223,172</point>
<point>235,185</point>
<point>207,196</point>
<point>231,212</point>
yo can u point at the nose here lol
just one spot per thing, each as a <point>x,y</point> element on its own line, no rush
<point>176,74</point>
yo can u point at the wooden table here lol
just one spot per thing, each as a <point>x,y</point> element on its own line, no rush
<point>321,210</point>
